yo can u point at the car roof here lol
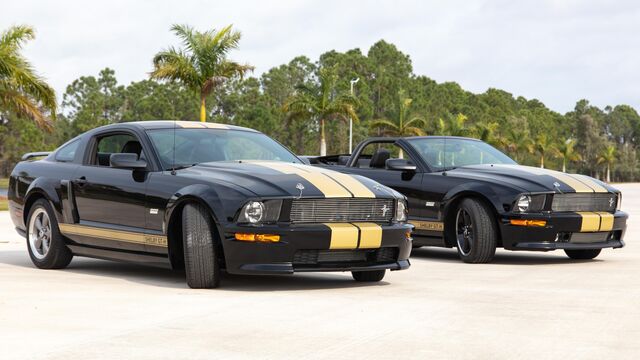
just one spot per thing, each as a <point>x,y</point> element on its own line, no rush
<point>178,124</point>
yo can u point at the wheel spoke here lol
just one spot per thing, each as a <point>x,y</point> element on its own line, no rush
<point>45,246</point>
<point>38,243</point>
<point>38,223</point>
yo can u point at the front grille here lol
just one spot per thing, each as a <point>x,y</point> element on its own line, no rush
<point>318,257</point>
<point>341,210</point>
<point>585,202</point>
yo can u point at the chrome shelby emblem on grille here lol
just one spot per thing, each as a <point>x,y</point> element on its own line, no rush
<point>384,209</point>
<point>611,201</point>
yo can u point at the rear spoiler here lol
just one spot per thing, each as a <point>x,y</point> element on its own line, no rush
<point>32,155</point>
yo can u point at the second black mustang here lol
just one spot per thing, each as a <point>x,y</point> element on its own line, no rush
<point>204,197</point>
<point>464,193</point>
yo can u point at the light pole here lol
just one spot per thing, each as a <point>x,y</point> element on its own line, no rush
<point>353,82</point>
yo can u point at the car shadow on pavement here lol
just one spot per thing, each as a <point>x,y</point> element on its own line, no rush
<point>155,276</point>
<point>501,258</point>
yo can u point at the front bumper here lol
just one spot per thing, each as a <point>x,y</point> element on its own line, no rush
<point>304,248</point>
<point>573,231</point>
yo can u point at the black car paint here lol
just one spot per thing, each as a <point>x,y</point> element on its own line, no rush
<point>433,197</point>
<point>123,201</point>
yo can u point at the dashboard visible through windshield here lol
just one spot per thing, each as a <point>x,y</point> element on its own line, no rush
<point>185,147</point>
<point>444,154</point>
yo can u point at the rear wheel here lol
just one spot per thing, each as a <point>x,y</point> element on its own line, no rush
<point>475,231</point>
<point>47,249</point>
<point>202,265</point>
<point>368,276</point>
<point>583,254</point>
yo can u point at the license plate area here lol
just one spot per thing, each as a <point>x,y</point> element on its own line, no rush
<point>590,237</point>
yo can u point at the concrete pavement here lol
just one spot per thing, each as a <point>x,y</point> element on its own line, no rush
<point>523,305</point>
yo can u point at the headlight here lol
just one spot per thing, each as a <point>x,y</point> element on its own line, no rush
<point>255,212</point>
<point>530,203</point>
<point>522,205</point>
<point>401,210</point>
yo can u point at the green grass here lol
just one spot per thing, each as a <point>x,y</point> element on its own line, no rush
<point>4,183</point>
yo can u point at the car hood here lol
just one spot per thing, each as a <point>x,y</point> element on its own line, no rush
<point>281,179</point>
<point>532,179</point>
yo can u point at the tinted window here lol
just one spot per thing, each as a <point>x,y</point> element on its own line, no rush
<point>193,146</point>
<point>441,154</point>
<point>68,152</point>
<point>116,143</point>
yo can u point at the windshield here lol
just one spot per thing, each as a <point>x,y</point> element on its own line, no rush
<point>454,152</point>
<point>193,146</point>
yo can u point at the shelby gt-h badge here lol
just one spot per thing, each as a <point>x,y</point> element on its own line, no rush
<point>204,197</point>
<point>464,193</point>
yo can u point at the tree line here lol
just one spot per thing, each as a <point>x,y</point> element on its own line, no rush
<point>306,105</point>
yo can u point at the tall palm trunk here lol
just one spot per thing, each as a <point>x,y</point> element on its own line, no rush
<point>564,164</point>
<point>323,143</point>
<point>203,109</point>
<point>608,172</point>
<point>542,161</point>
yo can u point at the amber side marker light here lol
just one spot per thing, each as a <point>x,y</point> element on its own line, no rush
<point>257,237</point>
<point>520,222</point>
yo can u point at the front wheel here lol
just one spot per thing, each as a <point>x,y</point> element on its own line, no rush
<point>202,264</point>
<point>583,254</point>
<point>476,232</point>
<point>368,276</point>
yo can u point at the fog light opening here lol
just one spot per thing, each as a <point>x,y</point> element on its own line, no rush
<point>271,238</point>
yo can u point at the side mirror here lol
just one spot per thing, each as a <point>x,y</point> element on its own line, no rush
<point>400,165</point>
<point>126,161</point>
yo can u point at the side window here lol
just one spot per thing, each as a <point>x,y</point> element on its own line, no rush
<point>68,152</point>
<point>375,155</point>
<point>114,144</point>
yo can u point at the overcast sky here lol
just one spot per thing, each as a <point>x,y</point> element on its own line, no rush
<point>555,51</point>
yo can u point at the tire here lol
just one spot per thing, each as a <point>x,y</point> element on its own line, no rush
<point>368,276</point>
<point>583,254</point>
<point>202,265</point>
<point>45,244</point>
<point>475,232</point>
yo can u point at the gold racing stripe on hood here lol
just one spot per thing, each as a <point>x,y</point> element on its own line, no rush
<point>370,235</point>
<point>329,187</point>
<point>357,188</point>
<point>590,221</point>
<point>591,183</point>
<point>572,182</point>
<point>606,221</point>
<point>343,236</point>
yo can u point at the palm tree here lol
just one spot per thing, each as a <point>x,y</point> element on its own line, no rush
<point>543,147</point>
<point>22,91</point>
<point>515,141</point>
<point>608,156</point>
<point>453,127</point>
<point>202,64</point>
<point>487,132</point>
<point>405,123</point>
<point>567,152</point>
<point>321,103</point>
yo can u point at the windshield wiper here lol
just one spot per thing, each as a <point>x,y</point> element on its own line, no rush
<point>180,167</point>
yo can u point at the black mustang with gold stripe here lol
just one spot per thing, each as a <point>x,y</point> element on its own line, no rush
<point>204,197</point>
<point>464,193</point>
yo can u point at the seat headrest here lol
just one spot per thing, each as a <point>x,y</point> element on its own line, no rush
<point>132,147</point>
<point>379,158</point>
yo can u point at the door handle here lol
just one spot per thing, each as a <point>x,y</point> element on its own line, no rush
<point>81,181</point>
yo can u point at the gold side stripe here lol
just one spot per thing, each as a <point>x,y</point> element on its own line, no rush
<point>590,222</point>
<point>428,225</point>
<point>606,221</point>
<point>343,236</point>
<point>370,235</point>
<point>329,187</point>
<point>119,235</point>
